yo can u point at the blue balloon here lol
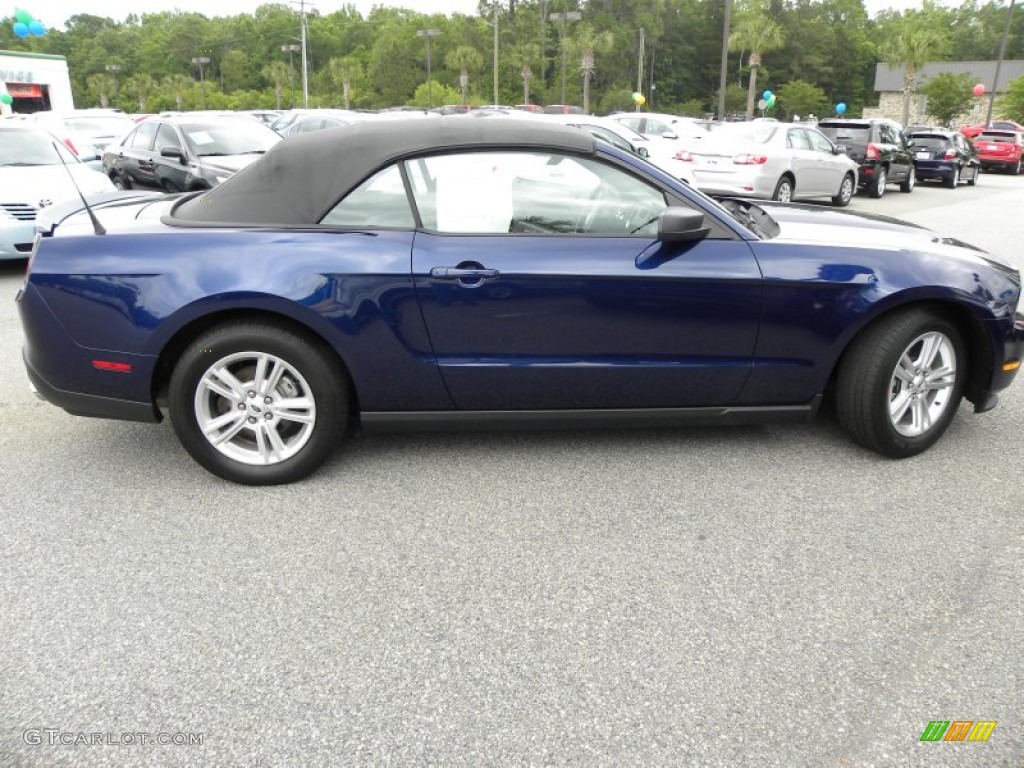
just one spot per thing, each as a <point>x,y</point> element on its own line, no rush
<point>21,30</point>
<point>37,28</point>
<point>840,108</point>
<point>767,95</point>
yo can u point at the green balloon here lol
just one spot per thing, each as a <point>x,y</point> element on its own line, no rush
<point>23,16</point>
<point>6,98</point>
<point>771,101</point>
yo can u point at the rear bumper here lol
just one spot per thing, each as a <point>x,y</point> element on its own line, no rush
<point>933,169</point>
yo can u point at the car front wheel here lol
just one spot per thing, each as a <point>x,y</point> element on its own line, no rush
<point>845,195</point>
<point>258,404</point>
<point>900,384</point>
<point>909,182</point>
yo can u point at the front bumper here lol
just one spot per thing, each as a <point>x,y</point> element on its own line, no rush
<point>16,239</point>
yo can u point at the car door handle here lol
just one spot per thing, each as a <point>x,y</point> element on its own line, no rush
<point>456,273</point>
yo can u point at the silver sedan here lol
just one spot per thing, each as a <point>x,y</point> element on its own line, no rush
<point>770,160</point>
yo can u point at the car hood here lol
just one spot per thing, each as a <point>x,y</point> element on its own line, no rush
<point>228,163</point>
<point>34,183</point>
<point>810,225</point>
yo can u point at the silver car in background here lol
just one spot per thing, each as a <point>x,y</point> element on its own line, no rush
<point>776,161</point>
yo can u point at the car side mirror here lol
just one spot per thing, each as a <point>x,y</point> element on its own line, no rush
<point>681,225</point>
<point>173,152</point>
<point>670,135</point>
<point>839,149</point>
<point>642,151</point>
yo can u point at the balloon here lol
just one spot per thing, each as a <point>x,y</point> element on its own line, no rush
<point>642,100</point>
<point>771,101</point>
<point>6,98</point>
<point>23,16</point>
<point>767,95</point>
<point>36,28</point>
<point>979,90</point>
<point>20,29</point>
<point>840,108</point>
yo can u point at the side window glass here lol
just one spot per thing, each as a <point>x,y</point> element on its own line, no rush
<point>819,143</point>
<point>309,126</point>
<point>532,193</point>
<point>631,122</point>
<point>797,139</point>
<point>144,136</point>
<point>380,202</point>
<point>657,128</point>
<point>167,137</point>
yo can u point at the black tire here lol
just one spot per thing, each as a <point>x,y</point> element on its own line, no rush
<point>954,181</point>
<point>784,190</point>
<point>120,181</point>
<point>907,185</point>
<point>310,373</point>
<point>168,186</point>
<point>867,379</point>
<point>974,177</point>
<point>1016,168</point>
<point>877,187</point>
<point>847,189</point>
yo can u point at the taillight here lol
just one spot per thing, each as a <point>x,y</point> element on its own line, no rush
<point>685,156</point>
<point>950,154</point>
<point>69,145</point>
<point>745,159</point>
<point>871,153</point>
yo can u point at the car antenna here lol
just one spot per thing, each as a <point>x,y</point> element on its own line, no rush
<point>97,227</point>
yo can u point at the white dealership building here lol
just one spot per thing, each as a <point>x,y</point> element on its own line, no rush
<point>35,81</point>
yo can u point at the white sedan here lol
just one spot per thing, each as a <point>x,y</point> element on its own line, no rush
<point>36,171</point>
<point>775,161</point>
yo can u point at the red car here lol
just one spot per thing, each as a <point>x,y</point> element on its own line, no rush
<point>970,131</point>
<point>1000,149</point>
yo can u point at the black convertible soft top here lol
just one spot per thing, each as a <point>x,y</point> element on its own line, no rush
<point>302,177</point>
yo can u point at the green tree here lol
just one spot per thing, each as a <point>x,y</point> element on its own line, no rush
<point>102,85</point>
<point>949,96</point>
<point>523,56</point>
<point>585,44</point>
<point>1011,106</point>
<point>443,94</point>
<point>176,86</point>
<point>757,32</point>
<point>464,58</point>
<point>141,88</point>
<point>342,71</point>
<point>911,49</point>
<point>798,97</point>
<point>278,74</point>
<point>234,70</point>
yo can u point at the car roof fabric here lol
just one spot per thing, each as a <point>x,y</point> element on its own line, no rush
<point>302,177</point>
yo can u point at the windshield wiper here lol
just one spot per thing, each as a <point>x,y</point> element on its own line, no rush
<point>214,154</point>
<point>254,152</point>
<point>23,165</point>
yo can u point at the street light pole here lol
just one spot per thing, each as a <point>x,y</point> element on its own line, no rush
<point>565,18</point>
<point>201,60</point>
<point>114,70</point>
<point>725,61</point>
<point>429,33</point>
<point>999,64</point>
<point>291,72</point>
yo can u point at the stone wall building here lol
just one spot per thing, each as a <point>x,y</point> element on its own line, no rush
<point>889,86</point>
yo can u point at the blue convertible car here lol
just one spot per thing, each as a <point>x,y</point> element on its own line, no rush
<point>477,273</point>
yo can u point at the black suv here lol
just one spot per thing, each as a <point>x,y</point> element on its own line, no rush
<point>880,148</point>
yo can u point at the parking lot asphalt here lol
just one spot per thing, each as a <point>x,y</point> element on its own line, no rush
<point>751,596</point>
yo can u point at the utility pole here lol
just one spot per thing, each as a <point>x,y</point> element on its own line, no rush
<point>725,61</point>
<point>999,64</point>
<point>640,69</point>
<point>494,7</point>
<point>201,60</point>
<point>291,72</point>
<point>429,33</point>
<point>305,61</point>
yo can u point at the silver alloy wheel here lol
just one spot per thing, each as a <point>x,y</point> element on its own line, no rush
<point>846,190</point>
<point>255,408</point>
<point>784,192</point>
<point>922,384</point>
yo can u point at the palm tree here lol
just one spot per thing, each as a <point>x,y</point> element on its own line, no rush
<point>279,74</point>
<point>523,56</point>
<point>343,71</point>
<point>756,32</point>
<point>464,58</point>
<point>177,85</point>
<point>102,84</point>
<point>911,50</point>
<point>142,86</point>
<point>588,42</point>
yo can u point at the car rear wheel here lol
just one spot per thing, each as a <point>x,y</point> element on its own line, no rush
<point>1017,167</point>
<point>900,383</point>
<point>168,186</point>
<point>120,182</point>
<point>784,190</point>
<point>974,176</point>
<point>877,188</point>
<point>909,182</point>
<point>845,195</point>
<point>954,181</point>
<point>258,404</point>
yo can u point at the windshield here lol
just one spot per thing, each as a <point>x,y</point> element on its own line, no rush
<point>928,142</point>
<point>18,147</point>
<point>732,135</point>
<point>240,136</point>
